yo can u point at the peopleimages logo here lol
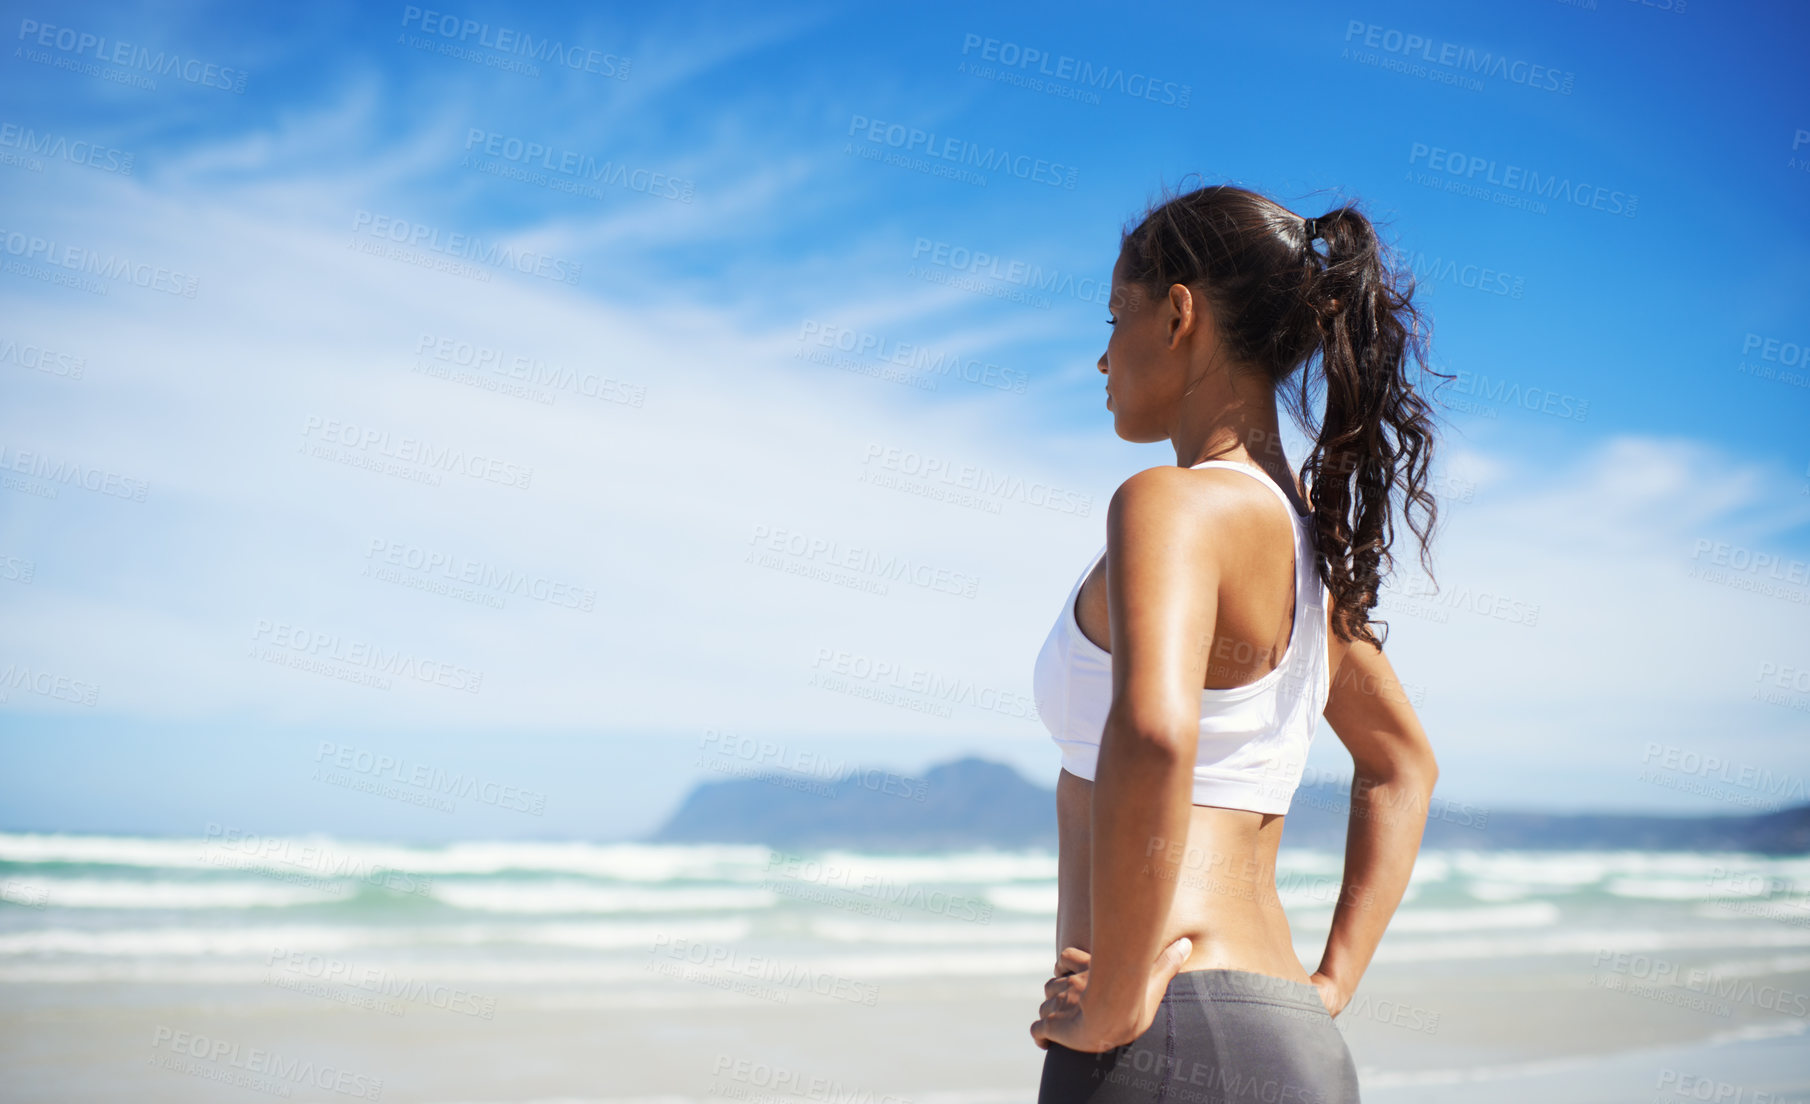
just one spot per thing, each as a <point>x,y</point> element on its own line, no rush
<point>863,560</point>
<point>280,638</point>
<point>431,778</point>
<point>1477,277</point>
<point>577,167</point>
<point>507,40</point>
<point>465,247</point>
<point>82,44</point>
<point>1465,169</point>
<point>926,469</point>
<point>976,262</point>
<point>252,1067</point>
<point>887,350</point>
<point>530,372</point>
<point>1738,558</point>
<point>1453,56</point>
<point>111,266</point>
<point>330,433</point>
<point>39,358</point>
<point>1012,56</point>
<point>58,147</point>
<point>488,577</point>
<point>47,684</point>
<point>71,473</point>
<point>1788,353</point>
<point>962,152</point>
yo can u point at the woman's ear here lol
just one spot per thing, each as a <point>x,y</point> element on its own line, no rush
<point>1183,313</point>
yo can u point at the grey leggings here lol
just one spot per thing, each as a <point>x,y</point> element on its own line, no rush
<point>1219,1037</point>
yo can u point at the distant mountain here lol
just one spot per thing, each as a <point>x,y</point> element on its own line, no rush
<point>968,803</point>
<point>973,802</point>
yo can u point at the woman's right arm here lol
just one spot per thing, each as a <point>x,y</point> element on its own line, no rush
<point>1393,772</point>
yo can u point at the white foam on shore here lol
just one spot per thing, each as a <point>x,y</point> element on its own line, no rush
<point>1677,889</point>
<point>1498,892</point>
<point>855,867</point>
<point>1582,868</point>
<point>633,862</point>
<point>580,897</point>
<point>1534,914</point>
<point>860,931</point>
<point>1038,899</point>
<point>187,941</point>
<point>108,893</point>
<point>1774,1029</point>
<point>249,940</point>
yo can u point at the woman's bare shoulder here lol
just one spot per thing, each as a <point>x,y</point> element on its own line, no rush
<point>1177,501</point>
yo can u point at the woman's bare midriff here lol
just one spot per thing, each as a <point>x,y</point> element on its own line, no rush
<point>1225,886</point>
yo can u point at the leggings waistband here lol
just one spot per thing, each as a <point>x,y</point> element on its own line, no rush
<point>1243,985</point>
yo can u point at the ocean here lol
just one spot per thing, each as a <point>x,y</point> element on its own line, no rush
<point>511,971</point>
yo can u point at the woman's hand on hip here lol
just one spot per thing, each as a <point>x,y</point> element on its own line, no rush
<point>1332,994</point>
<point>1063,1018</point>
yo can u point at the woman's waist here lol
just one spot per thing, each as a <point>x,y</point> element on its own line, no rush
<point>1231,922</point>
<point>1256,942</point>
<point>1210,985</point>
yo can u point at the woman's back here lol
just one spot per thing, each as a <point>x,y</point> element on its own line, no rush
<point>1267,669</point>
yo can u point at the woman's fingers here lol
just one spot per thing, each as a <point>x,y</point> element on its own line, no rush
<point>1061,994</point>
<point>1066,981</point>
<point>1072,960</point>
<point>1062,1002</point>
<point>1062,1005</point>
<point>1168,964</point>
<point>1061,1009</point>
<point>1175,954</point>
<point>1329,992</point>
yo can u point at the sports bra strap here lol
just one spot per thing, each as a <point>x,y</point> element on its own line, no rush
<point>1258,473</point>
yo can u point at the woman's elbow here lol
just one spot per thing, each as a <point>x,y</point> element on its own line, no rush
<point>1408,763</point>
<point>1420,771</point>
<point>1159,735</point>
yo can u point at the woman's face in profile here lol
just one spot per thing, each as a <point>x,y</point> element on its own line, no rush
<point>1144,376</point>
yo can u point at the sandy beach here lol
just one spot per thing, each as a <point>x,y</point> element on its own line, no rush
<point>1514,1030</point>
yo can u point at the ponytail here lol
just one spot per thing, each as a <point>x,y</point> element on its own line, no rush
<point>1376,430</point>
<point>1346,320</point>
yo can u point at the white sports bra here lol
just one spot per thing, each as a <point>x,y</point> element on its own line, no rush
<point>1253,738</point>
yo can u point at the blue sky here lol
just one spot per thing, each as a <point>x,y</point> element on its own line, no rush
<point>653,409</point>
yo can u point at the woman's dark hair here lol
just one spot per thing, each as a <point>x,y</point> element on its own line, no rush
<point>1279,301</point>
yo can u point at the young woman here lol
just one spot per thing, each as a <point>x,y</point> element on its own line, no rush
<point>1186,673</point>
